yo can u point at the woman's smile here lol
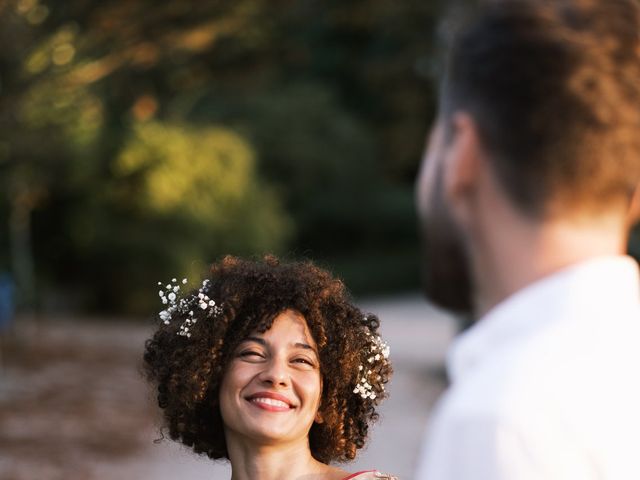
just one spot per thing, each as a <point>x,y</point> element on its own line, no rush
<point>271,401</point>
<point>271,391</point>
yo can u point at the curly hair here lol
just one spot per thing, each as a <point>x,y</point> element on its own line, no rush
<point>188,372</point>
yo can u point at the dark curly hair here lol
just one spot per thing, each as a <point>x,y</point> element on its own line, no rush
<point>188,371</point>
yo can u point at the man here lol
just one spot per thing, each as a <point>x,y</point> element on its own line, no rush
<point>527,194</point>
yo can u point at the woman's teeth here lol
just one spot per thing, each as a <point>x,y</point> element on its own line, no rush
<point>270,401</point>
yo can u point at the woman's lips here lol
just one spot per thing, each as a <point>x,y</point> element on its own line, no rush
<point>270,401</point>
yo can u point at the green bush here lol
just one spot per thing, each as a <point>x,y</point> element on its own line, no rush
<point>180,197</point>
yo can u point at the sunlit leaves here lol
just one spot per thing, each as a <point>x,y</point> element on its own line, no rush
<point>59,50</point>
<point>75,112</point>
<point>207,174</point>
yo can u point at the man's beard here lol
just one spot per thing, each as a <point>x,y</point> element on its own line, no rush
<point>446,268</point>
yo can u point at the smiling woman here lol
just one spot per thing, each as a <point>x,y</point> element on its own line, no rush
<point>274,372</point>
<point>269,365</point>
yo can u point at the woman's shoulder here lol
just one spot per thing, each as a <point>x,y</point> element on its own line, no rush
<point>370,475</point>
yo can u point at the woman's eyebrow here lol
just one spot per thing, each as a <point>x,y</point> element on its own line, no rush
<point>263,342</point>
<point>306,346</point>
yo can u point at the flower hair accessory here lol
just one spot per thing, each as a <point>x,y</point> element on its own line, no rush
<point>370,380</point>
<point>187,305</point>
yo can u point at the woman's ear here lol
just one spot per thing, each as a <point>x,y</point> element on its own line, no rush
<point>318,418</point>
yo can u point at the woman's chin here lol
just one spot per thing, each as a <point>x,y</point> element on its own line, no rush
<point>265,436</point>
<point>275,431</point>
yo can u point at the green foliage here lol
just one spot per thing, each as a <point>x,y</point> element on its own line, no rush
<point>208,177</point>
<point>183,196</point>
<point>144,139</point>
<point>316,152</point>
<point>323,160</point>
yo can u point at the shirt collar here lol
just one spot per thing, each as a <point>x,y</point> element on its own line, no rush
<point>611,278</point>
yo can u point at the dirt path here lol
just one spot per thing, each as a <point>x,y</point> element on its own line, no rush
<point>73,404</point>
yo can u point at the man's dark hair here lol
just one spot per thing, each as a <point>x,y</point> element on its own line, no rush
<point>554,87</point>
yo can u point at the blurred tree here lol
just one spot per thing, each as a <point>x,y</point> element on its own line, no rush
<point>332,96</point>
<point>184,196</point>
<point>323,159</point>
<point>207,176</point>
<point>32,153</point>
<point>75,78</point>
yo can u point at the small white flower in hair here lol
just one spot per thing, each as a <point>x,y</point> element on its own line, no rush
<point>184,306</point>
<point>370,385</point>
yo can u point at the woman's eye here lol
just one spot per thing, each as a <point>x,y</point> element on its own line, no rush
<point>250,354</point>
<point>303,361</point>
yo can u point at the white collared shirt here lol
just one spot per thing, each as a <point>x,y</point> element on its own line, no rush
<point>547,385</point>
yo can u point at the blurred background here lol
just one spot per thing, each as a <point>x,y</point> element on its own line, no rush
<point>141,140</point>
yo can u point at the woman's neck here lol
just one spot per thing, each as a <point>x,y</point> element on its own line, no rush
<point>277,462</point>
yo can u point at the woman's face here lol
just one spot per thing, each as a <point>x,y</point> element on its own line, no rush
<point>271,391</point>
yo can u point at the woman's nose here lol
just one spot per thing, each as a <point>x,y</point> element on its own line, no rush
<point>275,372</point>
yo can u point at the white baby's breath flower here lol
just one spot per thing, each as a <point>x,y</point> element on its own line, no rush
<point>370,383</point>
<point>184,307</point>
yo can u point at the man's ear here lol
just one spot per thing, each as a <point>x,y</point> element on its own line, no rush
<point>465,155</point>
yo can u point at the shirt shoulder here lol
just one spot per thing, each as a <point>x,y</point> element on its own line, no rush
<point>571,389</point>
<point>555,367</point>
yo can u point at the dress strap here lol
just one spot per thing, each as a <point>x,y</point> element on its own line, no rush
<point>376,473</point>
<point>354,475</point>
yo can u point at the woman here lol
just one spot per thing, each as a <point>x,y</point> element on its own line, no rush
<point>270,366</point>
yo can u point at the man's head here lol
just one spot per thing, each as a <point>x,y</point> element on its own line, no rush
<point>547,94</point>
